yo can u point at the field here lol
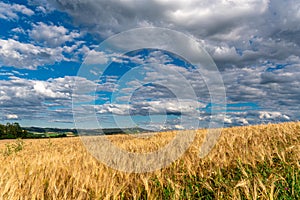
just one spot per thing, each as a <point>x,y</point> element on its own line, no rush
<point>254,162</point>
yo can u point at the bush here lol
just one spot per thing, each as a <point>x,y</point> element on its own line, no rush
<point>13,148</point>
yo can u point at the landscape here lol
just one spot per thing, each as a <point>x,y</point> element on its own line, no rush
<point>253,162</point>
<point>149,99</point>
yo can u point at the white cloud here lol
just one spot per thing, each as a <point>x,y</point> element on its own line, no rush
<point>12,116</point>
<point>42,89</point>
<point>52,35</point>
<point>180,127</point>
<point>228,120</point>
<point>28,99</point>
<point>49,44</point>
<point>41,6</point>
<point>272,115</point>
<point>11,11</point>
<point>242,121</point>
<point>96,57</point>
<point>18,30</point>
<point>155,107</point>
<point>225,53</point>
<point>27,56</point>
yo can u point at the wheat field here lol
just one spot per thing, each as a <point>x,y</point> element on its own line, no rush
<point>253,162</point>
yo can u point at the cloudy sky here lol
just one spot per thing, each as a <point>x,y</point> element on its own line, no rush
<point>255,45</point>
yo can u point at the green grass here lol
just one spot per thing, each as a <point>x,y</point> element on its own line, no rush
<point>278,179</point>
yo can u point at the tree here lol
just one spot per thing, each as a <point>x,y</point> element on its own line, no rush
<point>2,129</point>
<point>13,130</point>
<point>16,130</point>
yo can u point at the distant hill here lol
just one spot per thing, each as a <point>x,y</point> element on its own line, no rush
<point>46,130</point>
<point>109,131</point>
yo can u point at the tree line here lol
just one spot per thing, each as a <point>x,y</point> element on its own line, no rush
<point>12,130</point>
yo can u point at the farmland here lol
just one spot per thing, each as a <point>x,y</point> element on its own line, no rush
<point>247,163</point>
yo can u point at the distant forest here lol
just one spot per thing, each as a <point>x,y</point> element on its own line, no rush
<point>45,130</point>
<point>12,130</point>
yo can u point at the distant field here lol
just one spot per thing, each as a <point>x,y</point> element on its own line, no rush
<point>255,162</point>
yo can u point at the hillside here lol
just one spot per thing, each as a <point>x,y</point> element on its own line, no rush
<point>247,163</point>
<point>107,131</point>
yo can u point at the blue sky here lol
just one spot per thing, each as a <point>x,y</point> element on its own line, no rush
<point>254,44</point>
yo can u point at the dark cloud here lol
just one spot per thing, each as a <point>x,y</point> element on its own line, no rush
<point>239,33</point>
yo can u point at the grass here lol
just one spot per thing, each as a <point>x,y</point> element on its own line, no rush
<point>255,162</point>
<point>13,148</point>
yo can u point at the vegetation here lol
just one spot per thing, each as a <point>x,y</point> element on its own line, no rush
<point>13,148</point>
<point>14,130</point>
<point>52,130</point>
<point>10,131</point>
<point>255,162</point>
<point>107,131</point>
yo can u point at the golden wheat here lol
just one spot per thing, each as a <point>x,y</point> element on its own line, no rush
<point>63,169</point>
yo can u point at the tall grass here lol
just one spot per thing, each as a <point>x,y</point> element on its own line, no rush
<point>255,162</point>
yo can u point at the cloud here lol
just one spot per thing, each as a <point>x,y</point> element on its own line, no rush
<point>34,99</point>
<point>255,117</point>
<point>42,6</point>
<point>255,44</point>
<point>42,44</point>
<point>12,117</point>
<point>11,11</point>
<point>18,30</point>
<point>272,86</point>
<point>153,87</point>
<point>272,115</point>
<point>157,77</point>
<point>115,16</point>
<point>52,35</point>
<point>155,107</point>
<point>26,55</point>
<point>96,57</point>
<point>235,33</point>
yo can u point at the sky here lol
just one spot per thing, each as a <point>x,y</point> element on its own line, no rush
<point>44,45</point>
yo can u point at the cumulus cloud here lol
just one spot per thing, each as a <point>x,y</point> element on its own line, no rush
<point>272,87</point>
<point>235,33</point>
<point>26,55</point>
<point>27,99</point>
<point>52,35</point>
<point>32,55</point>
<point>96,57</point>
<point>11,117</point>
<point>12,11</point>
<point>255,117</point>
<point>155,107</point>
<point>272,115</point>
<point>42,44</point>
<point>266,86</point>
<point>157,77</point>
<point>42,6</point>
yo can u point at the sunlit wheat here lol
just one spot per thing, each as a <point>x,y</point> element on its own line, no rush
<point>246,163</point>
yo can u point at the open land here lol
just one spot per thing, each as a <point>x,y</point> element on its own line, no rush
<point>253,162</point>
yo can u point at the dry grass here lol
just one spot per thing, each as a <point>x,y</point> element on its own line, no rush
<point>247,163</point>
